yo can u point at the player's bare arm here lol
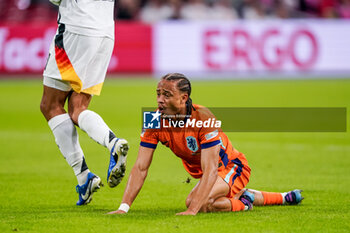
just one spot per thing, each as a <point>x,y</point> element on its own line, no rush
<point>209,165</point>
<point>137,177</point>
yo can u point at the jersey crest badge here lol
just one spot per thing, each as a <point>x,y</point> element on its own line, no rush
<point>192,143</point>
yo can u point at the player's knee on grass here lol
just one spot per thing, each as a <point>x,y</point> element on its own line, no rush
<point>215,205</point>
<point>208,206</point>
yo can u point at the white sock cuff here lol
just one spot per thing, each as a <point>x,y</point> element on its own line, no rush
<point>57,120</point>
<point>83,115</point>
<point>283,197</point>
<point>93,124</point>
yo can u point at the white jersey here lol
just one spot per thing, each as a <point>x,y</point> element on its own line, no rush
<point>88,17</point>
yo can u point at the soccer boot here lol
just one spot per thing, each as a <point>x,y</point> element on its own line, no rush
<point>117,162</point>
<point>247,198</point>
<point>85,191</point>
<point>293,197</point>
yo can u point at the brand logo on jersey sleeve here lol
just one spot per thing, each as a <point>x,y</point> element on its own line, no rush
<point>211,135</point>
<point>143,132</point>
<point>192,143</point>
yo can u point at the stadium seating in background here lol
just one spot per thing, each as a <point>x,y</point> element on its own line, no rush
<point>150,11</point>
<point>19,11</point>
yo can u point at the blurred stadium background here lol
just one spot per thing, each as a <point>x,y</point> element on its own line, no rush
<point>202,38</point>
<point>283,47</point>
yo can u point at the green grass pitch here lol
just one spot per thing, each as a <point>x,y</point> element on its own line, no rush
<point>37,187</point>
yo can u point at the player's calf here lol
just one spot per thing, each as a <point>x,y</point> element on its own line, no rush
<point>273,198</point>
<point>52,102</point>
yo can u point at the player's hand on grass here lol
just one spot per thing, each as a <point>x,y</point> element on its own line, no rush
<point>187,212</point>
<point>117,212</point>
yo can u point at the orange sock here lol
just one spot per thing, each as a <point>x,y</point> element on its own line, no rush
<point>237,205</point>
<point>272,198</point>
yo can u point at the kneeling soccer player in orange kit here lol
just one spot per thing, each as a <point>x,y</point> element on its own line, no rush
<point>206,153</point>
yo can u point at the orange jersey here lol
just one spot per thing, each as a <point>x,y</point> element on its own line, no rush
<point>187,143</point>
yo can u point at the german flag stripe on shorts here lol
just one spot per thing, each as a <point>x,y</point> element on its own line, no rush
<point>63,63</point>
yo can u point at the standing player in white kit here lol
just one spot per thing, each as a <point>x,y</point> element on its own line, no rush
<point>75,71</point>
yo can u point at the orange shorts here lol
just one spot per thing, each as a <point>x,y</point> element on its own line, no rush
<point>236,174</point>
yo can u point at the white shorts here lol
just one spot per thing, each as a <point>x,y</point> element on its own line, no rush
<point>77,62</point>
